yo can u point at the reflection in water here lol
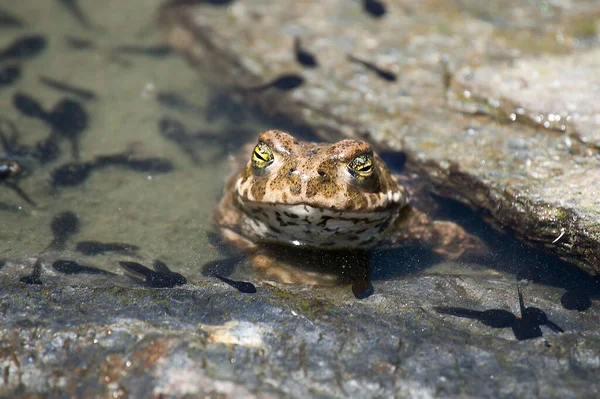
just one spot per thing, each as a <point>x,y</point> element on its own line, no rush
<point>525,327</point>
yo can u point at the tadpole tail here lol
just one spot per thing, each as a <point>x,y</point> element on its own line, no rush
<point>7,142</point>
<point>521,302</point>
<point>554,327</point>
<point>77,13</point>
<point>75,148</point>
<point>459,312</point>
<point>21,193</point>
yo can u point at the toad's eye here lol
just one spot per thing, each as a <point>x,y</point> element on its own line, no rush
<point>362,166</point>
<point>262,156</point>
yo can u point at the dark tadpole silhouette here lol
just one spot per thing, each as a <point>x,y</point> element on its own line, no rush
<point>223,267</point>
<point>174,131</point>
<point>284,83</point>
<point>79,43</point>
<point>24,48</point>
<point>93,248</point>
<point>573,300</point>
<point>8,20</point>
<point>9,74</point>
<point>71,174</point>
<point>242,286</point>
<point>72,267</point>
<point>375,8</point>
<point>77,13</point>
<point>34,277</point>
<point>45,150</point>
<point>362,289</point>
<point>303,56</point>
<point>69,119</point>
<point>179,3</point>
<point>148,165</point>
<point>383,74</point>
<point>29,106</point>
<point>11,170</point>
<point>76,173</point>
<point>84,94</point>
<point>63,226</point>
<point>177,102</point>
<point>156,51</point>
<point>525,327</point>
<point>225,106</point>
<point>155,279</point>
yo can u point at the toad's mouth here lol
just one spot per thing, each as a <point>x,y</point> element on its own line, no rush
<point>307,225</point>
<point>371,203</point>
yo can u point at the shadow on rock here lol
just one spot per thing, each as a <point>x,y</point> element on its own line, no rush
<point>525,327</point>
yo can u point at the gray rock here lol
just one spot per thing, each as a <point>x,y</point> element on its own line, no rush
<point>292,341</point>
<point>494,105</point>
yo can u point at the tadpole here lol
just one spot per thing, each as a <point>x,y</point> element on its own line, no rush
<point>284,83</point>
<point>24,48</point>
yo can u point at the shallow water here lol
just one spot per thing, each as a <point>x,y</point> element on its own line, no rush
<point>167,215</point>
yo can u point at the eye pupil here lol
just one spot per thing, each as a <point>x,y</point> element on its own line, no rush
<point>259,156</point>
<point>361,167</point>
<point>262,156</point>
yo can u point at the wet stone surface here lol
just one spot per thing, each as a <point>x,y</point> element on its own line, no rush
<point>495,105</point>
<point>289,341</point>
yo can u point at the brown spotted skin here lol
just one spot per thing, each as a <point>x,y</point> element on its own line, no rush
<point>308,198</point>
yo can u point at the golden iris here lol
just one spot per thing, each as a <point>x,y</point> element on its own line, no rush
<point>362,166</point>
<point>262,156</point>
